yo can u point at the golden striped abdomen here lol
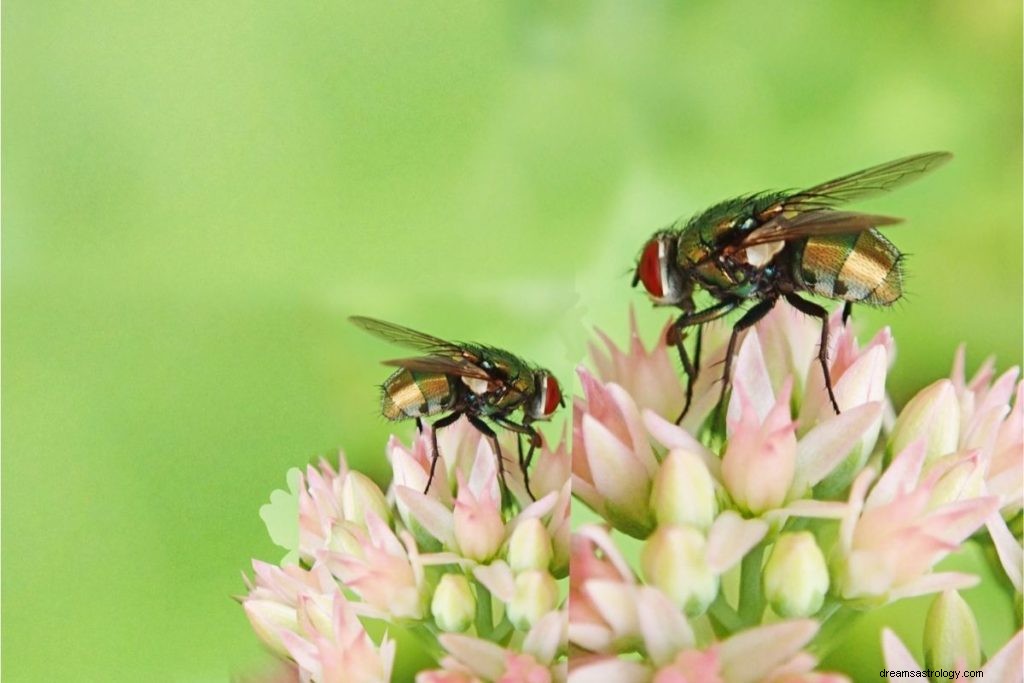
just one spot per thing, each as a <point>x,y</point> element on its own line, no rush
<point>863,267</point>
<point>408,393</point>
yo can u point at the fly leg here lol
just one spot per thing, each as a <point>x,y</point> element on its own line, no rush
<point>674,337</point>
<point>847,310</point>
<point>492,437</point>
<point>524,460</point>
<point>811,308</point>
<point>440,424</point>
<point>749,318</point>
<point>419,426</point>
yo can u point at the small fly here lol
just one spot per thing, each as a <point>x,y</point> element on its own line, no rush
<point>465,379</point>
<point>772,245</point>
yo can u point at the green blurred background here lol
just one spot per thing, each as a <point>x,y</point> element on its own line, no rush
<point>196,195</point>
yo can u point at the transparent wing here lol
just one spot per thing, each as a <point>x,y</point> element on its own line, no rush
<point>441,365</point>
<point>867,183</point>
<point>814,223</point>
<point>404,336</point>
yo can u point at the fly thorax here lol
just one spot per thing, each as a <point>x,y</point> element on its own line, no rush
<point>761,255</point>
<point>476,385</point>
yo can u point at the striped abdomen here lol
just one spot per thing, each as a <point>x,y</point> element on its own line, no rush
<point>408,393</point>
<point>863,267</point>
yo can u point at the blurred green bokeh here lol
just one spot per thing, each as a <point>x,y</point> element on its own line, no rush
<point>196,196</point>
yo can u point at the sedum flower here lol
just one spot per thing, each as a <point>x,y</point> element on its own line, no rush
<point>684,491</point>
<point>537,660</point>
<point>332,646</point>
<point>329,500</point>
<point>933,415</point>
<point>1005,665</point>
<point>453,605</point>
<point>759,464</point>
<point>274,595</point>
<point>613,464</point>
<point>951,638</point>
<point>649,376</point>
<point>530,546</point>
<point>764,653</point>
<point>795,575</point>
<point>890,537</point>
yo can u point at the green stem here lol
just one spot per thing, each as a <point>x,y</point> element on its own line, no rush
<point>427,637</point>
<point>834,618</point>
<point>751,606</point>
<point>484,618</point>
<point>724,616</point>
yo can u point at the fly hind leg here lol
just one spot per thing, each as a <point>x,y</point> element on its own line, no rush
<point>811,308</point>
<point>437,426</point>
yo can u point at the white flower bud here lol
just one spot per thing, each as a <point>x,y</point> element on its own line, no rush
<point>795,575</point>
<point>536,595</point>
<point>453,605</point>
<point>359,494</point>
<point>933,414</point>
<point>268,619</point>
<point>951,639</point>
<point>684,492</point>
<point>674,560</point>
<point>530,546</point>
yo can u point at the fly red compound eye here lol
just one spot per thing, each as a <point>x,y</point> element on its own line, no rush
<point>650,269</point>
<point>552,395</point>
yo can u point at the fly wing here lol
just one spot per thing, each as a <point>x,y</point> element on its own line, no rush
<point>441,365</point>
<point>405,336</point>
<point>814,223</point>
<point>862,184</point>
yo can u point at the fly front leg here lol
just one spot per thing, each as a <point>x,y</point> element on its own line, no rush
<point>811,308</point>
<point>434,429</point>
<point>524,460</point>
<point>492,437</point>
<point>675,336</point>
<point>749,319</point>
<point>847,310</point>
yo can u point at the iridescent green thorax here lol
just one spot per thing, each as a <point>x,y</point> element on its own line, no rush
<point>701,238</point>
<point>519,379</point>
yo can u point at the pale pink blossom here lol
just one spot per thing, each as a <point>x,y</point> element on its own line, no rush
<point>328,498</point>
<point>382,570</point>
<point>649,376</point>
<point>613,464</point>
<point>890,536</point>
<point>274,595</point>
<point>1005,666</point>
<point>331,646</point>
<point>539,659</point>
<point>765,653</point>
<point>990,425</point>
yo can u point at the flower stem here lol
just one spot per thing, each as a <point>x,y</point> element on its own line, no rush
<point>724,617</point>
<point>484,618</point>
<point>834,618</point>
<point>751,605</point>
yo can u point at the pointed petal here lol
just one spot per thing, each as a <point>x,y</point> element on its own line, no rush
<point>830,441</point>
<point>730,538</point>
<point>896,654</point>
<point>430,513</point>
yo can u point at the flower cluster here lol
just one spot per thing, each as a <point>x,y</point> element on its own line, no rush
<point>731,547</point>
<point>477,581</point>
<point>760,532</point>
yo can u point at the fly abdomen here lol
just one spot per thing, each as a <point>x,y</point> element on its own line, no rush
<point>861,268</point>
<point>409,393</point>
